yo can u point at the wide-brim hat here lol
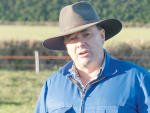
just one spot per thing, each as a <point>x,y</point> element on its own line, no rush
<point>79,16</point>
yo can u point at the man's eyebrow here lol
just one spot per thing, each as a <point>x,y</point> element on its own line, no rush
<point>84,30</point>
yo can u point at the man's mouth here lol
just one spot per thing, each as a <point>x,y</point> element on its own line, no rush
<point>83,53</point>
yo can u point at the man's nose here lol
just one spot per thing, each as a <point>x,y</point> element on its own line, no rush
<point>80,41</point>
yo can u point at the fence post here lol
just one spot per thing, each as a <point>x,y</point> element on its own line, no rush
<point>36,62</point>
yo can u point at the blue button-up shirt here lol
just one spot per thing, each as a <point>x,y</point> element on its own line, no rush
<point>123,87</point>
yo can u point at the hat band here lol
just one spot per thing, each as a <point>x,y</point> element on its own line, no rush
<point>78,24</point>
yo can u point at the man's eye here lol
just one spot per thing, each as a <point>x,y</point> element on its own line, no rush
<point>71,39</point>
<point>87,34</point>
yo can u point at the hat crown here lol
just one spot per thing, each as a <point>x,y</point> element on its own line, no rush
<point>77,14</point>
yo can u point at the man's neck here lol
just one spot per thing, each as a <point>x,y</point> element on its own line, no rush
<point>86,76</point>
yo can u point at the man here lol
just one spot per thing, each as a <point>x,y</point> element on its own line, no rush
<point>92,82</point>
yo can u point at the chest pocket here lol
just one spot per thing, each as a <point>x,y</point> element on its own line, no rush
<point>64,110</point>
<point>112,109</point>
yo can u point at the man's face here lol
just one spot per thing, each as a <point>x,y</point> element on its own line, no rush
<point>86,47</point>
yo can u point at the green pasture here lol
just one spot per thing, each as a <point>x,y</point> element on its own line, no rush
<point>19,90</point>
<point>8,32</point>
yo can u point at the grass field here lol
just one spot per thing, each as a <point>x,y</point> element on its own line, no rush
<point>19,90</point>
<point>43,32</point>
<point>27,32</point>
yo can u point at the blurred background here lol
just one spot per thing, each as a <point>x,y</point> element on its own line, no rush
<point>24,24</point>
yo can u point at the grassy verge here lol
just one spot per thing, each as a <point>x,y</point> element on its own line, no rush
<point>19,90</point>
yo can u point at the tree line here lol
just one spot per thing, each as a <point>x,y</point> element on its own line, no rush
<point>136,11</point>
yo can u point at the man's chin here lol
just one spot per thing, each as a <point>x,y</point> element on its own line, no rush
<point>84,63</point>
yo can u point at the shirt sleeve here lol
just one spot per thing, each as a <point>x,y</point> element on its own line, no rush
<point>41,104</point>
<point>144,94</point>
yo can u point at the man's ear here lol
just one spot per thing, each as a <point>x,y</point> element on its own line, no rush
<point>64,40</point>
<point>103,35</point>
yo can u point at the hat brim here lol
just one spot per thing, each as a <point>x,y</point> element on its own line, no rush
<point>111,27</point>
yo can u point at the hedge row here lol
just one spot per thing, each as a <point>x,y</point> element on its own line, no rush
<point>27,48</point>
<point>136,47</point>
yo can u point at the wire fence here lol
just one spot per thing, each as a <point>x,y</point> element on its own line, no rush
<point>32,57</point>
<point>62,57</point>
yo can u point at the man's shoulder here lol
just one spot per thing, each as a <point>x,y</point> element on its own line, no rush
<point>122,64</point>
<point>126,65</point>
